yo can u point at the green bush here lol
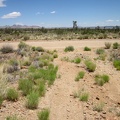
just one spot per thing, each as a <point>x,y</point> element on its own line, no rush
<point>39,49</point>
<point>107,45</point>
<point>55,55</point>
<point>90,66</point>
<point>22,45</point>
<point>32,100</point>
<point>116,64</point>
<point>6,49</point>
<point>12,94</point>
<point>87,49</point>
<point>77,60</point>
<point>26,86</point>
<point>44,114</point>
<point>80,76</point>
<point>41,88</point>
<point>115,45</point>
<point>101,79</point>
<point>100,51</point>
<point>84,96</point>
<point>69,48</point>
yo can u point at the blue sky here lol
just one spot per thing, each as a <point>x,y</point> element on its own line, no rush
<point>60,13</point>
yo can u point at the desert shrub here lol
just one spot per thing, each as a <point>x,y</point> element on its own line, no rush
<point>65,59</point>
<point>39,49</point>
<point>1,100</point>
<point>69,48</point>
<point>100,51</point>
<point>12,117</point>
<point>102,57</point>
<point>32,100</point>
<point>22,45</point>
<point>33,48</point>
<point>55,55</point>
<point>25,85</point>
<point>90,65</point>
<point>6,49</point>
<point>116,64</point>
<point>12,94</point>
<point>115,45</point>
<point>87,49</point>
<point>107,45</point>
<point>27,63</point>
<point>48,74</point>
<point>101,79</point>
<point>84,96</point>
<point>98,107</point>
<point>77,60</point>
<point>44,114</point>
<point>26,38</point>
<point>13,62</point>
<point>41,88</point>
<point>80,76</point>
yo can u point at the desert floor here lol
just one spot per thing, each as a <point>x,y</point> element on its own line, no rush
<point>59,98</point>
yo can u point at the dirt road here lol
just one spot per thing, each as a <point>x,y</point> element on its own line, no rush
<point>62,44</point>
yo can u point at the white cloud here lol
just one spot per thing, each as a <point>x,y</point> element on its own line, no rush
<point>109,20</point>
<point>39,13</point>
<point>117,20</point>
<point>53,12</point>
<point>2,4</point>
<point>11,15</point>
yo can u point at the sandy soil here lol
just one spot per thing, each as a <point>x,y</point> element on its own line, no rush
<point>62,44</point>
<point>59,97</point>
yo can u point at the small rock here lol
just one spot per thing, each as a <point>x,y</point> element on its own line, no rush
<point>97,98</point>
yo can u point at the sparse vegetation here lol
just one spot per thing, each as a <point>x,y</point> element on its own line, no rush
<point>98,107</point>
<point>44,114</point>
<point>12,117</point>
<point>107,45</point>
<point>32,100</point>
<point>77,60</point>
<point>100,51</point>
<point>115,45</point>
<point>116,64</point>
<point>80,76</point>
<point>1,100</point>
<point>101,79</point>
<point>12,94</point>
<point>69,48</point>
<point>84,96</point>
<point>90,65</point>
<point>6,49</point>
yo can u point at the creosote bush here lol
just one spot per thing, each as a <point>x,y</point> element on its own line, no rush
<point>32,100</point>
<point>69,48</point>
<point>87,49</point>
<point>44,114</point>
<point>39,49</point>
<point>77,60</point>
<point>90,65</point>
<point>12,94</point>
<point>6,49</point>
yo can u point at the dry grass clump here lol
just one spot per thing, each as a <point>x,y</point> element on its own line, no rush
<point>6,49</point>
